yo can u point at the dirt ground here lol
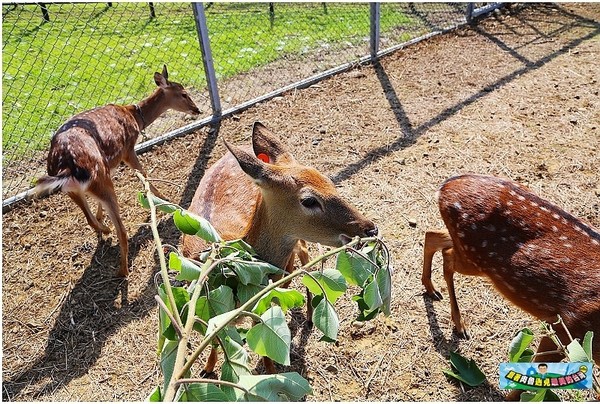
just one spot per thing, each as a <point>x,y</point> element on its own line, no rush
<point>516,96</point>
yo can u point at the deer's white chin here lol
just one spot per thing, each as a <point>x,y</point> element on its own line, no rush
<point>345,239</point>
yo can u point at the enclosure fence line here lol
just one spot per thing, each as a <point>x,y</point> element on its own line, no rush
<point>211,80</point>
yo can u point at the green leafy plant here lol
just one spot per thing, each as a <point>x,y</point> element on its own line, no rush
<point>230,283</point>
<point>465,370</point>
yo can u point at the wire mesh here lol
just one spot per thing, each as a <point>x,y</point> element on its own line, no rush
<point>63,58</point>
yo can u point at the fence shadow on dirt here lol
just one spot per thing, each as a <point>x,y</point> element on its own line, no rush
<point>97,306</point>
<point>409,134</point>
<point>90,315</point>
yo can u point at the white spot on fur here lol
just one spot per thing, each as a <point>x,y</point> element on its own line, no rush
<point>554,229</point>
<point>457,205</point>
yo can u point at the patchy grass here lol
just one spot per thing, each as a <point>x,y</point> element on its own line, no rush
<point>92,54</point>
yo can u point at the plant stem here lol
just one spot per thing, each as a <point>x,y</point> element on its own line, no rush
<point>208,266</point>
<point>161,256</point>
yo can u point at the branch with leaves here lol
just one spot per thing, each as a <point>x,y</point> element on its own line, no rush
<point>229,283</point>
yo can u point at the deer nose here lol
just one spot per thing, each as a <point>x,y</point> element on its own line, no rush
<point>372,232</point>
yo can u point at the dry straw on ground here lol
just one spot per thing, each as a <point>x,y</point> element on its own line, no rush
<point>516,96</point>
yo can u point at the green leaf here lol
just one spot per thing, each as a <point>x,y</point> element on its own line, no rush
<point>234,366</point>
<point>203,312</point>
<point>188,271</point>
<point>155,396</point>
<point>527,355</point>
<point>285,298</point>
<point>467,370</point>
<point>160,204</point>
<point>271,337</point>
<point>519,344</point>
<point>167,361</point>
<point>201,392</point>
<point>355,269</point>
<point>365,313</point>
<point>279,387</point>
<point>254,272</point>
<point>216,322</point>
<point>220,300</point>
<point>326,319</point>
<point>576,353</point>
<point>587,344</point>
<point>240,245</point>
<point>181,297</point>
<point>246,292</point>
<point>384,284</point>
<point>195,225</point>
<point>331,280</point>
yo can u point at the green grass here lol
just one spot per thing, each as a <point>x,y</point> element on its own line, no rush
<point>90,54</point>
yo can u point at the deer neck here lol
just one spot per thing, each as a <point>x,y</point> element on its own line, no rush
<point>147,110</point>
<point>266,234</point>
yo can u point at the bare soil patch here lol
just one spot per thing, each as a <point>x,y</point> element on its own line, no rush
<point>515,96</point>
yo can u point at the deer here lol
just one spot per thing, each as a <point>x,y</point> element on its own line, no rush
<point>541,258</point>
<point>86,150</point>
<point>262,195</point>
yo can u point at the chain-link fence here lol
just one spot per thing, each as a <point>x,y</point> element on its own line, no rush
<point>63,58</point>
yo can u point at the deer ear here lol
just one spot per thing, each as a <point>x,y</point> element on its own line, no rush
<point>266,143</point>
<point>165,73</point>
<point>160,80</point>
<point>250,164</point>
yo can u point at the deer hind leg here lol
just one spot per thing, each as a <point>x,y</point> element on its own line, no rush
<point>105,193</point>
<point>434,241</point>
<point>96,224</point>
<point>132,161</point>
<point>449,257</point>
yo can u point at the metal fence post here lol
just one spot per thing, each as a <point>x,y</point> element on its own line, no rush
<point>207,60</point>
<point>375,20</point>
<point>469,13</point>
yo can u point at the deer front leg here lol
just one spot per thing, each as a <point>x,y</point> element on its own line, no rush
<point>434,241</point>
<point>449,269</point>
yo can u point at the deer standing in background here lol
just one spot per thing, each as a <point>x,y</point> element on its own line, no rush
<point>541,258</point>
<point>262,195</point>
<point>89,146</point>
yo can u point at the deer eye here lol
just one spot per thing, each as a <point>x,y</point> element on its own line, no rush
<point>310,202</point>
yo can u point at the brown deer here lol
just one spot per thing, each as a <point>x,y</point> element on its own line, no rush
<point>89,146</point>
<point>541,258</point>
<point>262,195</point>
